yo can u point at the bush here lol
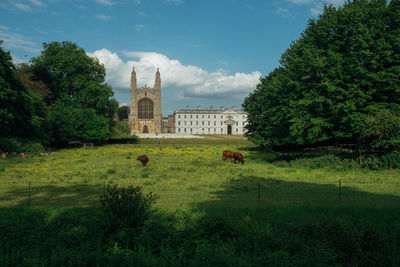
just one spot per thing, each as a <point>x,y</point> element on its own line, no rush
<point>10,144</point>
<point>127,207</point>
<point>32,148</point>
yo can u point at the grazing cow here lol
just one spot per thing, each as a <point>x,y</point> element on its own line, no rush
<point>143,159</point>
<point>4,155</point>
<point>22,155</point>
<point>238,157</point>
<point>227,155</point>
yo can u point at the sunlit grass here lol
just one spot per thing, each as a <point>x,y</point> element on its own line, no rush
<point>186,173</point>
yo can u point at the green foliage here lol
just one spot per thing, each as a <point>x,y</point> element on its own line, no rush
<point>343,68</point>
<point>68,123</point>
<point>127,207</point>
<point>293,236</point>
<point>22,111</point>
<point>121,130</point>
<point>381,132</point>
<point>123,112</point>
<point>81,107</point>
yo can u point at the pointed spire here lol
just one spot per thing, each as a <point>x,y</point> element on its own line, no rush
<point>157,84</point>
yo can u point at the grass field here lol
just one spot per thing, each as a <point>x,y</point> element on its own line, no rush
<point>297,222</point>
<point>190,172</point>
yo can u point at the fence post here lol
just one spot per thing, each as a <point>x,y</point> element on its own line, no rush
<point>259,189</point>
<point>181,200</point>
<point>29,193</point>
<point>340,191</point>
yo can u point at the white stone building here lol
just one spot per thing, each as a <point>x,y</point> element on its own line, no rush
<point>210,121</point>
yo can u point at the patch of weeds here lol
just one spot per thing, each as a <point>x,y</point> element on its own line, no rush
<point>85,181</point>
<point>2,169</point>
<point>128,157</point>
<point>81,160</point>
<point>111,171</point>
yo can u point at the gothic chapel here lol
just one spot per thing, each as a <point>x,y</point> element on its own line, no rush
<point>145,107</point>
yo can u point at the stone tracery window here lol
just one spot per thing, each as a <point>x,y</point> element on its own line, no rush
<point>145,109</point>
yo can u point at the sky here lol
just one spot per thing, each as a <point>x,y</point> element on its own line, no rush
<point>209,52</point>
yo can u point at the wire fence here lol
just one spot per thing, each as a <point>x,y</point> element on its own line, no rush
<point>257,194</point>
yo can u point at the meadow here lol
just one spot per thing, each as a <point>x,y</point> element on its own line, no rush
<point>191,172</point>
<point>275,210</point>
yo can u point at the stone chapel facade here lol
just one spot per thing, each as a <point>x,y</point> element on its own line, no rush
<point>145,107</point>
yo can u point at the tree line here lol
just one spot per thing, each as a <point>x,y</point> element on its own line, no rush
<point>337,84</point>
<point>57,97</point>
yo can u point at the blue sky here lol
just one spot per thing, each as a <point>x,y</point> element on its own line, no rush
<point>208,52</point>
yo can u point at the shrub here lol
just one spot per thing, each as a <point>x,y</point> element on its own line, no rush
<point>10,144</point>
<point>127,207</point>
<point>32,148</point>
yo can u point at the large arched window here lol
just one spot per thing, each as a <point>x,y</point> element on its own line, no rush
<point>145,107</point>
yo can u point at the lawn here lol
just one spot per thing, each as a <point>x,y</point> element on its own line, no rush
<point>191,172</point>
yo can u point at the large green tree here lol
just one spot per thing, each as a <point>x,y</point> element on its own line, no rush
<point>22,111</point>
<point>344,69</point>
<point>76,82</point>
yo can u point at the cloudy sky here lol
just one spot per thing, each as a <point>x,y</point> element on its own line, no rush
<point>210,52</point>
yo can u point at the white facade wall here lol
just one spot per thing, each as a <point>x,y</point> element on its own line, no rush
<point>210,121</point>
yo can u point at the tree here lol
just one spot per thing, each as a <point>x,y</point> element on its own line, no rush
<point>80,101</point>
<point>344,67</point>
<point>22,111</point>
<point>123,112</point>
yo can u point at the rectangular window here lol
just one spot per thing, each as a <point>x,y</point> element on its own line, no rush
<point>191,123</point>
<point>179,123</point>
<point>208,116</point>
<point>197,122</point>
<point>179,116</point>
<point>236,123</point>
<point>202,116</point>
<point>197,116</point>
<point>215,123</point>
<point>203,123</point>
<point>222,123</point>
<point>208,123</point>
<point>215,116</point>
<point>221,116</point>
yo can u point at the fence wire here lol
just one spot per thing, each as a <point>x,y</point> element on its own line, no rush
<point>258,194</point>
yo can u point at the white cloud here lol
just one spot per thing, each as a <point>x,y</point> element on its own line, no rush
<point>103,17</point>
<point>105,2</point>
<point>191,81</point>
<point>316,8</point>
<point>284,12</point>
<point>175,2</point>
<point>37,2</point>
<point>17,41</point>
<point>23,7</point>
<point>140,27</point>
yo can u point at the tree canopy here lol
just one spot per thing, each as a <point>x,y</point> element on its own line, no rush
<point>344,69</point>
<point>80,101</point>
<point>22,111</point>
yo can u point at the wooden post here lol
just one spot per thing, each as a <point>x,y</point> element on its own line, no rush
<point>181,200</point>
<point>340,191</point>
<point>29,194</point>
<point>259,189</point>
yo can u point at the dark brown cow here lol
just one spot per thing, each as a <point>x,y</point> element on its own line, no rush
<point>143,159</point>
<point>227,155</point>
<point>238,157</point>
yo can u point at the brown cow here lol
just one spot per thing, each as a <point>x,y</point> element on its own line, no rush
<point>227,155</point>
<point>238,157</point>
<point>144,159</point>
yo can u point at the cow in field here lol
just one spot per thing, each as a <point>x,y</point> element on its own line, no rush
<point>143,159</point>
<point>238,157</point>
<point>227,155</point>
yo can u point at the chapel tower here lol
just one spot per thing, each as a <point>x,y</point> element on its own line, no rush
<point>145,106</point>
